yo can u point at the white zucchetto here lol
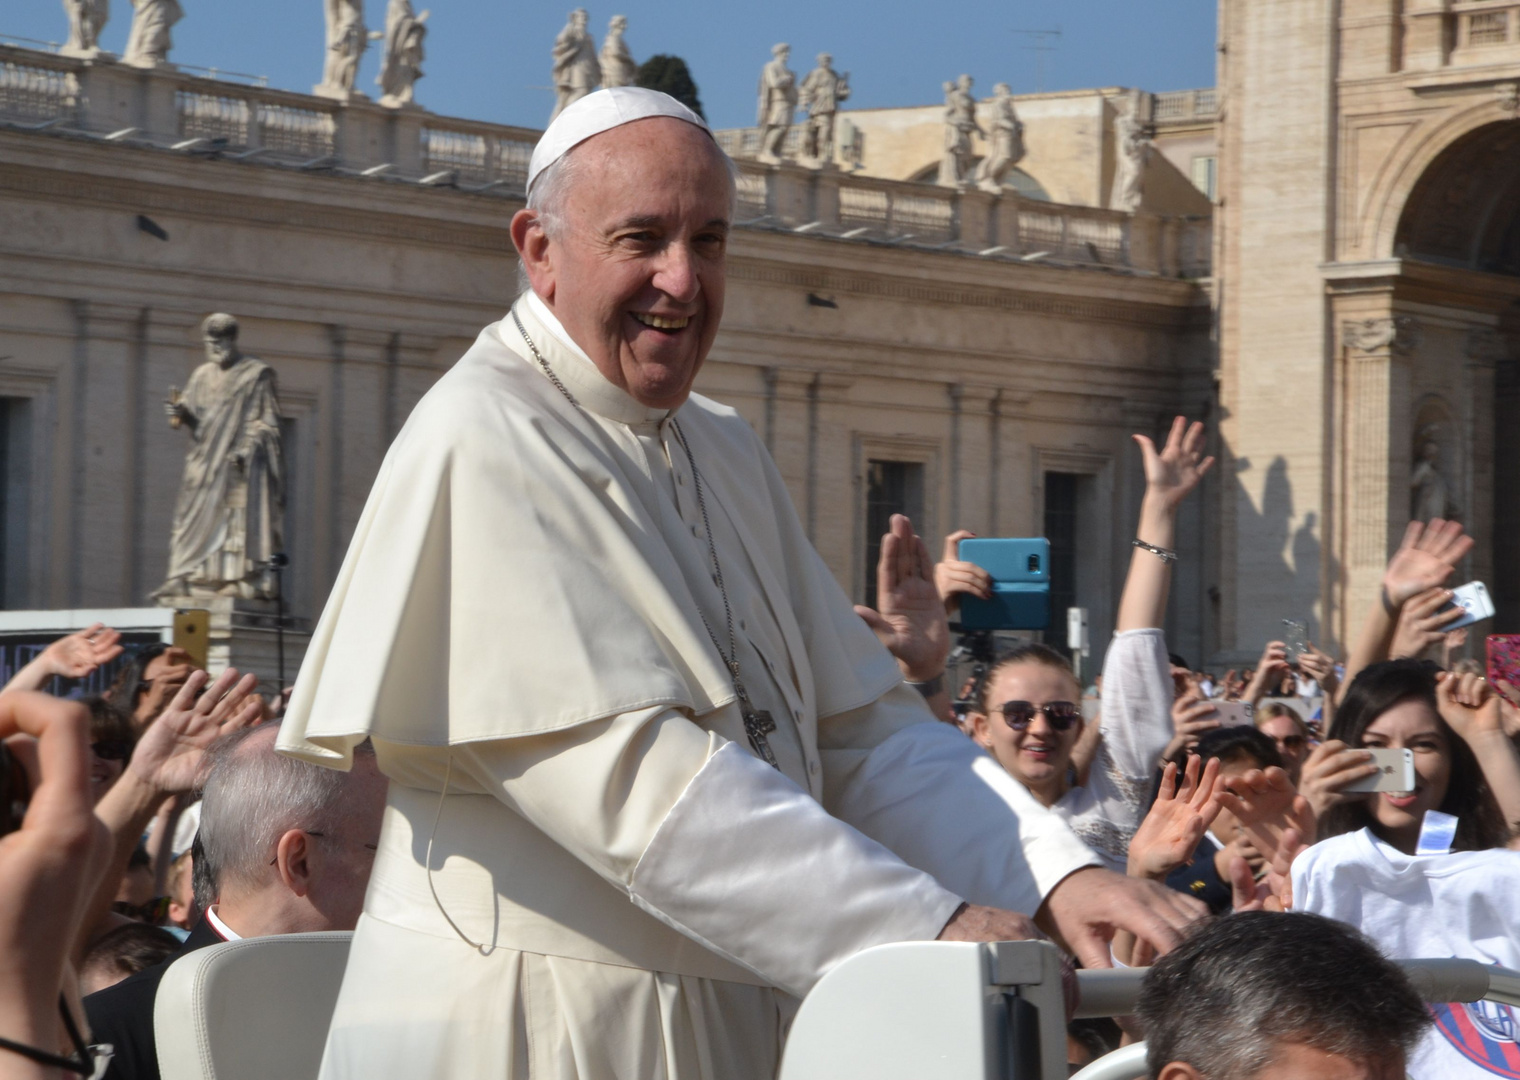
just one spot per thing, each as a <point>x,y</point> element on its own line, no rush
<point>602,111</point>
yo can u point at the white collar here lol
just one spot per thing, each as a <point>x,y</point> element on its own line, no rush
<point>574,368</point>
<point>228,934</point>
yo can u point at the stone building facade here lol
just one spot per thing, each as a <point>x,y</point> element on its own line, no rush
<point>1368,268</point>
<point>977,360</point>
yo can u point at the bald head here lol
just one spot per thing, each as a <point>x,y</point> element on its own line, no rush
<point>624,239</point>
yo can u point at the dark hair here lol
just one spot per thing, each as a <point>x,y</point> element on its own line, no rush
<point>1227,998</point>
<point>109,723</point>
<point>1097,1035</point>
<point>131,948</point>
<point>123,690</point>
<point>1377,689</point>
<point>202,876</point>
<point>1177,661</point>
<point>139,859</point>
<point>1028,652</point>
<point>1230,744</point>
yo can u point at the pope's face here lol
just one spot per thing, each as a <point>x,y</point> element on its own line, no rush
<point>635,269</point>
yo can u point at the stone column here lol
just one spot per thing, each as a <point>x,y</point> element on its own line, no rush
<point>830,503</point>
<point>1485,350</point>
<point>976,216</point>
<point>974,469</point>
<point>1376,456</point>
<point>788,397</point>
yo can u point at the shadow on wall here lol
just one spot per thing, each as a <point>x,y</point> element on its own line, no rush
<point>1281,579</point>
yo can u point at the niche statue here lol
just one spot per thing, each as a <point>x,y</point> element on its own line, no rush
<point>230,514</point>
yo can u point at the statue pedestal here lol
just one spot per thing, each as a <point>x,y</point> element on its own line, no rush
<point>243,634</point>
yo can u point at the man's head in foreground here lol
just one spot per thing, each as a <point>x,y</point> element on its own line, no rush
<point>624,238</point>
<point>286,846</point>
<point>1278,996</point>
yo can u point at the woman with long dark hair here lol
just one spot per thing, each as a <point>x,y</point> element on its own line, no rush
<point>1461,756</point>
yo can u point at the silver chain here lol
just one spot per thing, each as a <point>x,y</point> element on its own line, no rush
<point>731,657</point>
<point>549,371</point>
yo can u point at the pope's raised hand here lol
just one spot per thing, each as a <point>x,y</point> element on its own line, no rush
<point>909,618</point>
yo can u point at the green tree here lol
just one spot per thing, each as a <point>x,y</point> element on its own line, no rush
<point>670,75</point>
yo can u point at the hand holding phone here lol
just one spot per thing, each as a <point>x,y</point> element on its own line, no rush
<point>1472,598</point>
<point>1395,771</point>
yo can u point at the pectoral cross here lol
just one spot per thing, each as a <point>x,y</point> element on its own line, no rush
<point>757,725</point>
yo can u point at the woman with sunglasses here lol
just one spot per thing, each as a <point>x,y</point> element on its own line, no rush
<point>1030,716</point>
<point>1282,724</point>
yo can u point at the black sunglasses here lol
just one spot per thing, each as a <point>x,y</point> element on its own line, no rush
<point>1020,714</point>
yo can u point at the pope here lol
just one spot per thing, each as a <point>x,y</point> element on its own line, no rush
<point>651,776</point>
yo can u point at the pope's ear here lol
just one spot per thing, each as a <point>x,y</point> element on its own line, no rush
<point>532,243</point>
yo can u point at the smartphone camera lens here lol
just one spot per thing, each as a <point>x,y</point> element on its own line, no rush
<point>1034,564</point>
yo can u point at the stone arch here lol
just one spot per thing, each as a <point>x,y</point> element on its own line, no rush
<point>1428,175</point>
<point>1017,180</point>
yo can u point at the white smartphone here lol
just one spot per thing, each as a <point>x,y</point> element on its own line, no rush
<point>1395,771</point>
<point>1472,598</point>
<point>1234,713</point>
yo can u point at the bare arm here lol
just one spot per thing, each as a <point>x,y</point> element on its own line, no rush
<point>72,657</point>
<point>1475,711</point>
<point>1170,475</point>
<point>1425,560</point>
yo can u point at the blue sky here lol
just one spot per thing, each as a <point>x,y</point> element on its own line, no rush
<point>488,59</point>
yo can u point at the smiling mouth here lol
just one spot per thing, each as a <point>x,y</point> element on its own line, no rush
<point>661,322</point>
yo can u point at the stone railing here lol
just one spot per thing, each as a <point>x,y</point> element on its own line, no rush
<point>1007,226</point>
<point>1184,106</point>
<point>36,87</point>
<point>174,109</point>
<point>1444,34</point>
<point>179,112</point>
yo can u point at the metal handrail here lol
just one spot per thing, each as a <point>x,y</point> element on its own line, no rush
<point>1115,992</point>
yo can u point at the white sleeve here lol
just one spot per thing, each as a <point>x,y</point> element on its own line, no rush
<point>713,842</point>
<point>945,806</point>
<point>1137,701</point>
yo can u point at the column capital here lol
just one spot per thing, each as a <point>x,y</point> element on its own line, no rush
<point>1388,333</point>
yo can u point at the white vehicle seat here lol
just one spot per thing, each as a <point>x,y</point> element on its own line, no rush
<point>251,1009</point>
<point>1125,1063</point>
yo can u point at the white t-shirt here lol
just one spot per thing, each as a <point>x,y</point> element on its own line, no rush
<point>1464,905</point>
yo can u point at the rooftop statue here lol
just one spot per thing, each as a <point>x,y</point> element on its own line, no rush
<point>960,122</point>
<point>618,68</point>
<point>87,18</point>
<point>148,42</point>
<point>821,92</point>
<point>576,71</point>
<point>1007,138</point>
<point>230,515</point>
<point>401,63</point>
<point>346,42</point>
<point>778,103</point>
<point>1133,151</point>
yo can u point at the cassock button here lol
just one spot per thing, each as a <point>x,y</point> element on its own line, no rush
<point>743,625</point>
<point>813,767</point>
<point>798,714</point>
<point>680,479</point>
<point>696,531</point>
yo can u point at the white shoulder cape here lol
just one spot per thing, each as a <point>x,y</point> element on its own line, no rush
<point>504,581</point>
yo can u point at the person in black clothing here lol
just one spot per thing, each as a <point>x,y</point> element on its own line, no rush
<point>261,869</point>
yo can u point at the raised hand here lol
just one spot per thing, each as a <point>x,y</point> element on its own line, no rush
<point>1176,822</point>
<point>169,754</point>
<point>1269,672</point>
<point>953,576</point>
<point>1192,715</point>
<point>1425,560</point>
<point>1422,623</point>
<point>80,654</point>
<point>910,617</point>
<point>1268,809</point>
<point>1470,705</point>
<point>1275,891</point>
<point>1176,468</point>
<point>1321,668</point>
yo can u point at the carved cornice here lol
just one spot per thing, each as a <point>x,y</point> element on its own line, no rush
<point>916,290</point>
<point>1396,333</point>
<point>294,212</point>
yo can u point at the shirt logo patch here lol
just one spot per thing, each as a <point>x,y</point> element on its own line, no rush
<point>1484,1032</point>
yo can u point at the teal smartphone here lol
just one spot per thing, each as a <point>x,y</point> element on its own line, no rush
<point>1020,569</point>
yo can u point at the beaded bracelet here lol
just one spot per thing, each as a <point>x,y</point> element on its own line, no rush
<point>1164,554</point>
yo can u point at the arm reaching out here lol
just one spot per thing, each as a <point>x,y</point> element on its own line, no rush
<point>73,657</point>
<point>1170,474</point>
<point>1425,560</point>
<point>1475,712</point>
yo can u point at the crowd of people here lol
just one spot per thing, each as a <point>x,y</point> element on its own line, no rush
<point>674,779</point>
<point>158,818</point>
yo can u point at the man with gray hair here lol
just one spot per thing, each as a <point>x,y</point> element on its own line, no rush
<point>284,847</point>
<point>652,776</point>
<point>1266,995</point>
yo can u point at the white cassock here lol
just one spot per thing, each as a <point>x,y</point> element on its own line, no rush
<point>520,614</point>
